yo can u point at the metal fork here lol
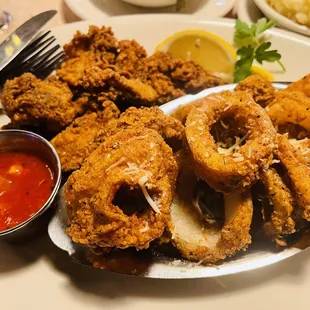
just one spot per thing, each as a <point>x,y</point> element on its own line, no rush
<point>41,57</point>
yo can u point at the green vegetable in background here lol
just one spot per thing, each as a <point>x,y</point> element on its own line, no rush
<point>252,46</point>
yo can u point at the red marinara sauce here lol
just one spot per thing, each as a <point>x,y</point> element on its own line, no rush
<point>26,182</point>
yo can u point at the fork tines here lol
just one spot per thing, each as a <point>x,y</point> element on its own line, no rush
<point>41,57</point>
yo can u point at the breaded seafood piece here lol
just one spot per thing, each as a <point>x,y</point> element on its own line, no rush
<point>28,100</point>
<point>96,48</point>
<point>97,39</point>
<point>283,204</point>
<point>129,56</point>
<point>187,74</point>
<point>199,241</point>
<point>74,69</point>
<point>260,88</point>
<point>164,87</point>
<point>153,118</point>
<point>290,107</point>
<point>302,85</point>
<point>86,133</point>
<point>303,146</point>
<point>76,142</point>
<point>110,84</point>
<point>229,171</point>
<point>207,226</point>
<point>172,78</point>
<point>182,112</point>
<point>193,77</point>
<point>122,194</point>
<point>298,171</point>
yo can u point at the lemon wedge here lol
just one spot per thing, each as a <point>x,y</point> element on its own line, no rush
<point>263,72</point>
<point>210,51</point>
<point>207,49</point>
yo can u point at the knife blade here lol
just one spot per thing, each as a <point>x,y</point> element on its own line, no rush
<point>22,36</point>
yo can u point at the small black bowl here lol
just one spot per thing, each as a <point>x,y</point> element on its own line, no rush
<point>25,141</point>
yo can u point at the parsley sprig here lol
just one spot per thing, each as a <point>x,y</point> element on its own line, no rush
<point>252,46</point>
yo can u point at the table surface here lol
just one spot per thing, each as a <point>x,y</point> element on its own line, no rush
<point>40,276</point>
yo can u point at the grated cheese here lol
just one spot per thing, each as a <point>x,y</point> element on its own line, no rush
<point>297,143</point>
<point>236,146</point>
<point>145,228</point>
<point>148,198</point>
<point>227,108</point>
<point>250,153</point>
<point>300,145</point>
<point>138,138</point>
<point>238,159</point>
<point>224,125</point>
<point>117,163</point>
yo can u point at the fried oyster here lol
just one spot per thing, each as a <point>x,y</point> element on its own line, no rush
<point>48,104</point>
<point>77,141</point>
<point>121,70</point>
<point>86,133</point>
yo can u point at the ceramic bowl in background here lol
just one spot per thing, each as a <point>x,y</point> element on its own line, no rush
<point>282,21</point>
<point>248,11</point>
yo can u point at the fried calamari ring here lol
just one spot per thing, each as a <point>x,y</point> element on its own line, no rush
<point>290,107</point>
<point>105,197</point>
<point>182,111</point>
<point>229,172</point>
<point>298,171</point>
<point>198,241</point>
<point>281,199</point>
<point>207,227</point>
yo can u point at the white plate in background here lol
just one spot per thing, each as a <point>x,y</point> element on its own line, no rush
<point>98,9</point>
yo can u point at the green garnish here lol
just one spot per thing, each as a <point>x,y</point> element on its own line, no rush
<point>252,46</point>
